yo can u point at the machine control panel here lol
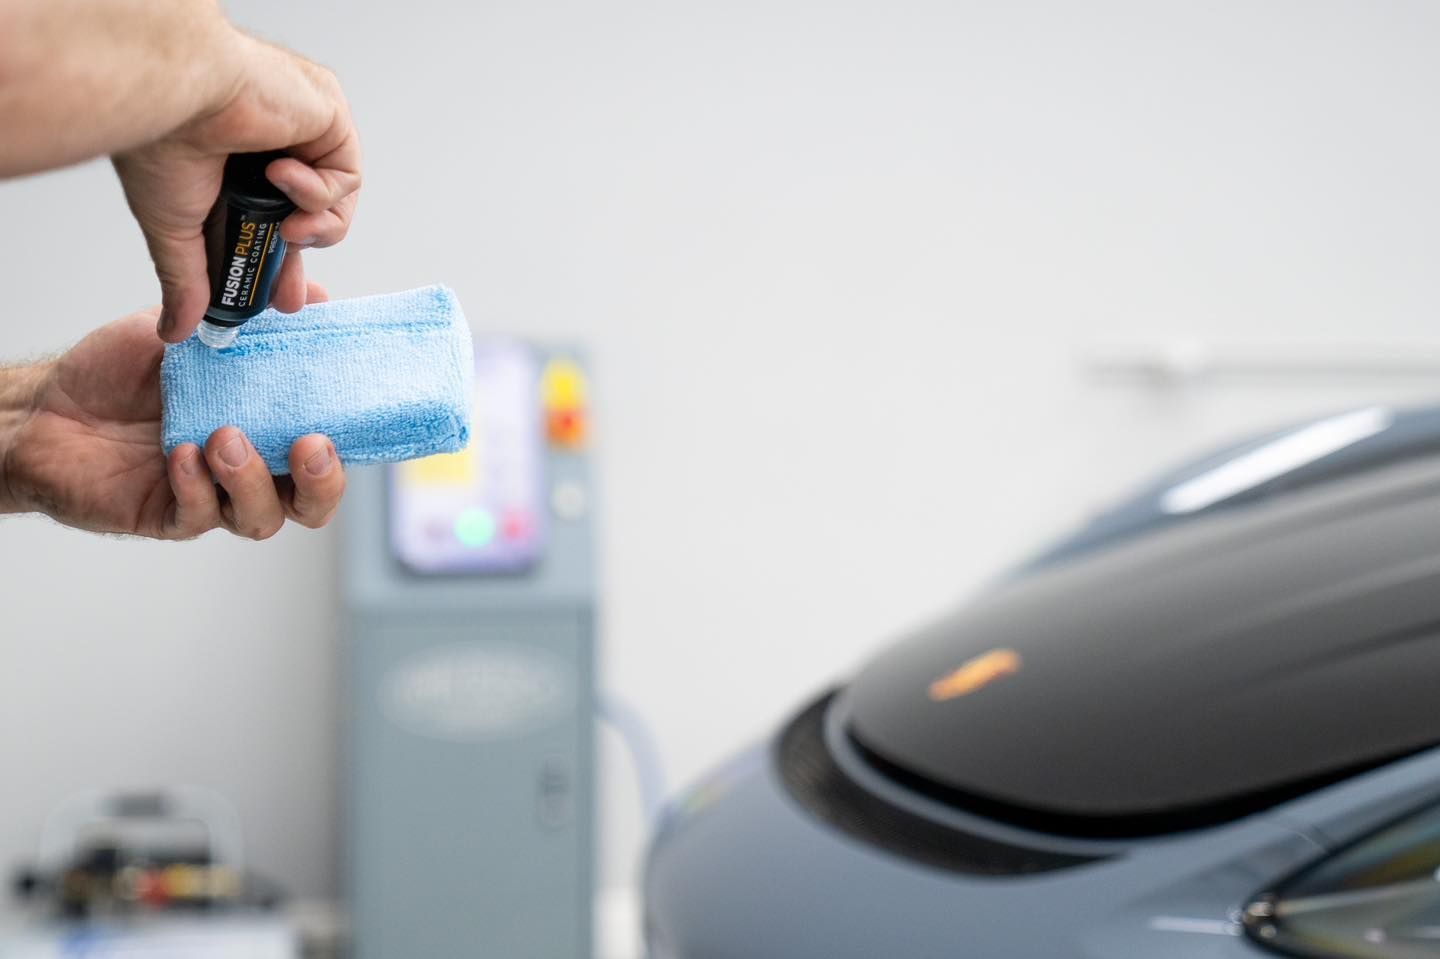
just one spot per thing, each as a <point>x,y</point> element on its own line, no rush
<point>480,510</point>
<point>484,509</point>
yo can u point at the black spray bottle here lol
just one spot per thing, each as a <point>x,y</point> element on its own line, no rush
<point>242,246</point>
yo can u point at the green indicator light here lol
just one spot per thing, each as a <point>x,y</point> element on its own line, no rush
<point>474,527</point>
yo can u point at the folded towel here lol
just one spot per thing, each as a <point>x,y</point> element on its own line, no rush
<point>387,378</point>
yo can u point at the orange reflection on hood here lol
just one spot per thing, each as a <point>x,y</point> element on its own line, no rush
<point>974,674</point>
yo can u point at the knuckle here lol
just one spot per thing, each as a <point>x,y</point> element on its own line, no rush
<point>318,520</point>
<point>189,532</point>
<point>187,527</point>
<point>328,83</point>
<point>326,77</point>
<point>185,524</point>
<point>306,510</point>
<point>174,277</point>
<point>263,531</point>
<point>343,183</point>
<point>251,483</point>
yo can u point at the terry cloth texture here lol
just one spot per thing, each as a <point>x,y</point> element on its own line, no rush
<point>387,378</point>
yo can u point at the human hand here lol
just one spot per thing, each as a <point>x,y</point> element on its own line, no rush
<point>276,100</point>
<point>84,447</point>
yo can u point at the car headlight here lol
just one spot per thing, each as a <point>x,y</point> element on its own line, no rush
<point>1378,898</point>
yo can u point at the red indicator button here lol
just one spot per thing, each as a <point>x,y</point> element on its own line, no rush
<point>517,525</point>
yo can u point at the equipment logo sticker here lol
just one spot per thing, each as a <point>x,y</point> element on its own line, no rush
<point>477,691</point>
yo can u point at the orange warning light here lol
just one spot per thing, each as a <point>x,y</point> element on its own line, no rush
<point>565,428</point>
<point>975,674</point>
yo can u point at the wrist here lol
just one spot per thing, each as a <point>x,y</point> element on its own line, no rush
<point>19,387</point>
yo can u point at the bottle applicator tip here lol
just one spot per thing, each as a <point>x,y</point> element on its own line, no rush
<point>215,336</point>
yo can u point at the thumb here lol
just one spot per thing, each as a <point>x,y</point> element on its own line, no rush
<point>171,190</point>
<point>180,265</point>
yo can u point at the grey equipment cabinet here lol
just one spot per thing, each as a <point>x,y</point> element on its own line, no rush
<point>470,684</point>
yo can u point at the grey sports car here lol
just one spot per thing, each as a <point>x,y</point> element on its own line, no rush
<point>1206,725</point>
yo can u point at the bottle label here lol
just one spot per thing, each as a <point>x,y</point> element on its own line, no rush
<point>253,245</point>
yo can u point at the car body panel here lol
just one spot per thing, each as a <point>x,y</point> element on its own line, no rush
<point>740,870</point>
<point>1194,675</point>
<point>1399,436</point>
<point>1290,621</point>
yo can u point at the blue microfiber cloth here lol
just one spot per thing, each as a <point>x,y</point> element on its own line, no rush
<point>387,378</point>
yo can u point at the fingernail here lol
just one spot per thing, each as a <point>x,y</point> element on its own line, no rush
<point>190,465</point>
<point>319,462</point>
<point>234,453</point>
<point>308,241</point>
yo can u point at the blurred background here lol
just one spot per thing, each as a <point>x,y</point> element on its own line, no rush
<point>873,299</point>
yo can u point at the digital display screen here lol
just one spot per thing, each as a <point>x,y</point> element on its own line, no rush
<point>479,510</point>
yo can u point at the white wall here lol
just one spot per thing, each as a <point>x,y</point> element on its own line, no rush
<point>835,261</point>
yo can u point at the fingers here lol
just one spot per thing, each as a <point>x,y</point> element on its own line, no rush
<point>322,178</point>
<point>334,155</point>
<point>319,481</point>
<point>313,188</point>
<point>292,291</point>
<point>253,508</point>
<point>320,228</point>
<point>196,508</point>
<point>254,504</point>
<point>289,294</point>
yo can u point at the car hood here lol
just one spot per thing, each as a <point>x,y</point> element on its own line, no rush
<point>1184,679</point>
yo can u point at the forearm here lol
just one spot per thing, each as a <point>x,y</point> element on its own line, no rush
<point>85,78</point>
<point>18,388</point>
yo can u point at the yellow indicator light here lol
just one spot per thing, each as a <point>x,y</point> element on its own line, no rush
<point>975,674</point>
<point>562,387</point>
